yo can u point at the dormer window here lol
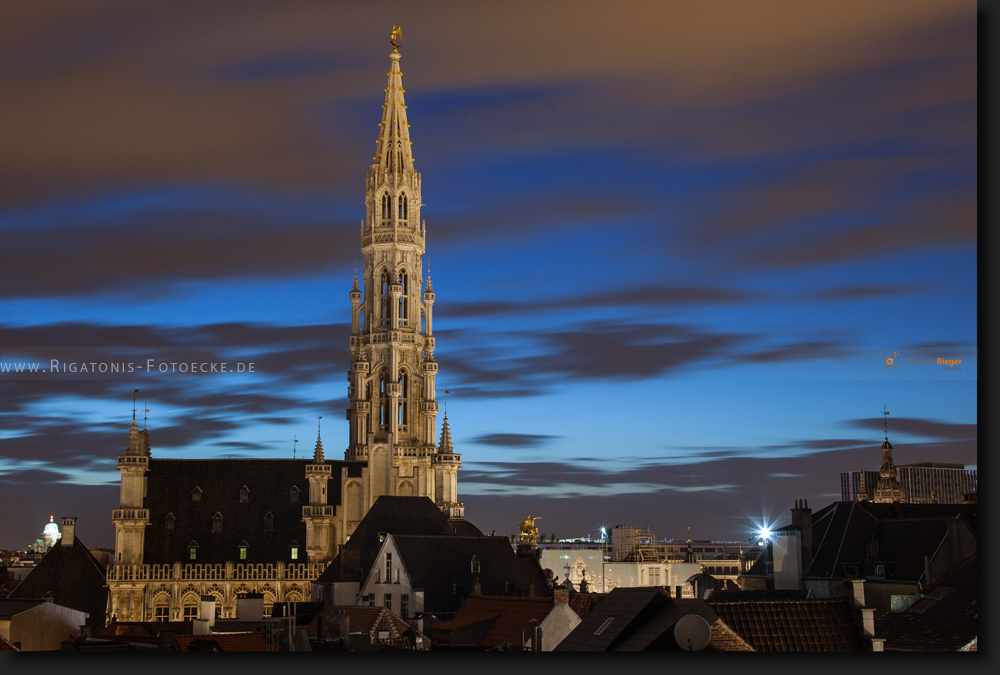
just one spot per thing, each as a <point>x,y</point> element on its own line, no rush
<point>269,522</point>
<point>293,495</point>
<point>244,549</point>
<point>217,522</point>
<point>196,494</point>
<point>168,522</point>
<point>244,494</point>
<point>293,550</point>
<point>193,550</point>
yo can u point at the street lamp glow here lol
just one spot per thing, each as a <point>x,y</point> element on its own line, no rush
<point>765,534</point>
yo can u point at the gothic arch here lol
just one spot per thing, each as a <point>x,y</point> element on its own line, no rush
<point>354,499</point>
<point>405,489</point>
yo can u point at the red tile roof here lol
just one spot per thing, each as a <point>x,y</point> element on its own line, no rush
<point>370,620</point>
<point>6,646</point>
<point>582,603</point>
<point>787,625</point>
<point>513,614</point>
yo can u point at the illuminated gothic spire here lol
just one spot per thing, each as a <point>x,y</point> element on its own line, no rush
<point>393,154</point>
<point>318,453</point>
<point>889,490</point>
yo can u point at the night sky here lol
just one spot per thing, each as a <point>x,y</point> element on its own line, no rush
<point>672,244</point>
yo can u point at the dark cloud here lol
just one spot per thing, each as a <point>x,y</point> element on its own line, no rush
<point>513,440</point>
<point>948,431</point>
<point>84,261</point>
<point>867,291</point>
<point>800,351</point>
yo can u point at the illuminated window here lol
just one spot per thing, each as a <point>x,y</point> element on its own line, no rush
<point>244,549</point>
<point>293,550</point>
<point>193,550</point>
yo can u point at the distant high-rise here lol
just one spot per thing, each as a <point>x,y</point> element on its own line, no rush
<point>949,482</point>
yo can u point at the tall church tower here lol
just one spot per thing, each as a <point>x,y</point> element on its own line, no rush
<point>393,413</point>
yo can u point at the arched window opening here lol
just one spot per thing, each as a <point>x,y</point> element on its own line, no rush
<point>402,207</point>
<point>384,405</point>
<point>386,207</point>
<point>386,297</point>
<point>244,494</point>
<point>217,522</point>
<point>293,495</point>
<point>193,550</point>
<point>293,550</point>
<point>168,522</point>
<point>161,608</point>
<point>404,299</point>
<point>244,549</point>
<point>404,398</point>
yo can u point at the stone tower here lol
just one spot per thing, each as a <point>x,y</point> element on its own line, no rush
<point>318,514</point>
<point>393,413</point>
<point>889,490</point>
<point>130,518</point>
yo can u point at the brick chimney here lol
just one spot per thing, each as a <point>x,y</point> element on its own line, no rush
<point>802,520</point>
<point>68,530</point>
<point>560,595</point>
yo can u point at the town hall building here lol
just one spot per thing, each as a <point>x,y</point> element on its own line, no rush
<point>187,528</point>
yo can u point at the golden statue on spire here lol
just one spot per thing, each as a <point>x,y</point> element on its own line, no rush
<point>397,31</point>
<point>529,533</point>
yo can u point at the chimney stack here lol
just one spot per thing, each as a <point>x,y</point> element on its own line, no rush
<point>560,595</point>
<point>803,522</point>
<point>68,530</point>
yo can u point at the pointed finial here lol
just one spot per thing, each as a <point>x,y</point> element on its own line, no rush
<point>397,31</point>
<point>430,286</point>
<point>319,425</point>
<point>134,392</point>
<point>885,422</point>
<point>145,415</point>
<point>295,445</point>
<point>318,453</point>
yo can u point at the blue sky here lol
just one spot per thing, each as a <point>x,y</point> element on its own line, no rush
<point>671,247</point>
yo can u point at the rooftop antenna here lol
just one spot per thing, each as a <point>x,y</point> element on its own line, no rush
<point>885,422</point>
<point>294,445</point>
<point>446,392</point>
<point>134,392</point>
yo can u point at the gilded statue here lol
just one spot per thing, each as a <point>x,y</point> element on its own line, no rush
<point>529,533</point>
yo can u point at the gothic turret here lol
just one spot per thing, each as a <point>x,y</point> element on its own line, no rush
<point>318,514</point>
<point>131,518</point>
<point>889,490</point>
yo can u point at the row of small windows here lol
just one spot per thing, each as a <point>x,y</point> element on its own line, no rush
<point>403,313</point>
<point>169,522</point>
<point>243,550</point>
<point>401,207</point>
<point>293,494</point>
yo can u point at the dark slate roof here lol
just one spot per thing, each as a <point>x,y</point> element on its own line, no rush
<point>946,619</point>
<point>652,634</point>
<point>394,515</point>
<point>440,567</point>
<point>842,532</point>
<point>169,486</point>
<point>626,605</point>
<point>75,579</point>
<point>822,625</point>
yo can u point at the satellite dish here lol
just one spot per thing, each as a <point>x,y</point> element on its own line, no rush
<point>692,633</point>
